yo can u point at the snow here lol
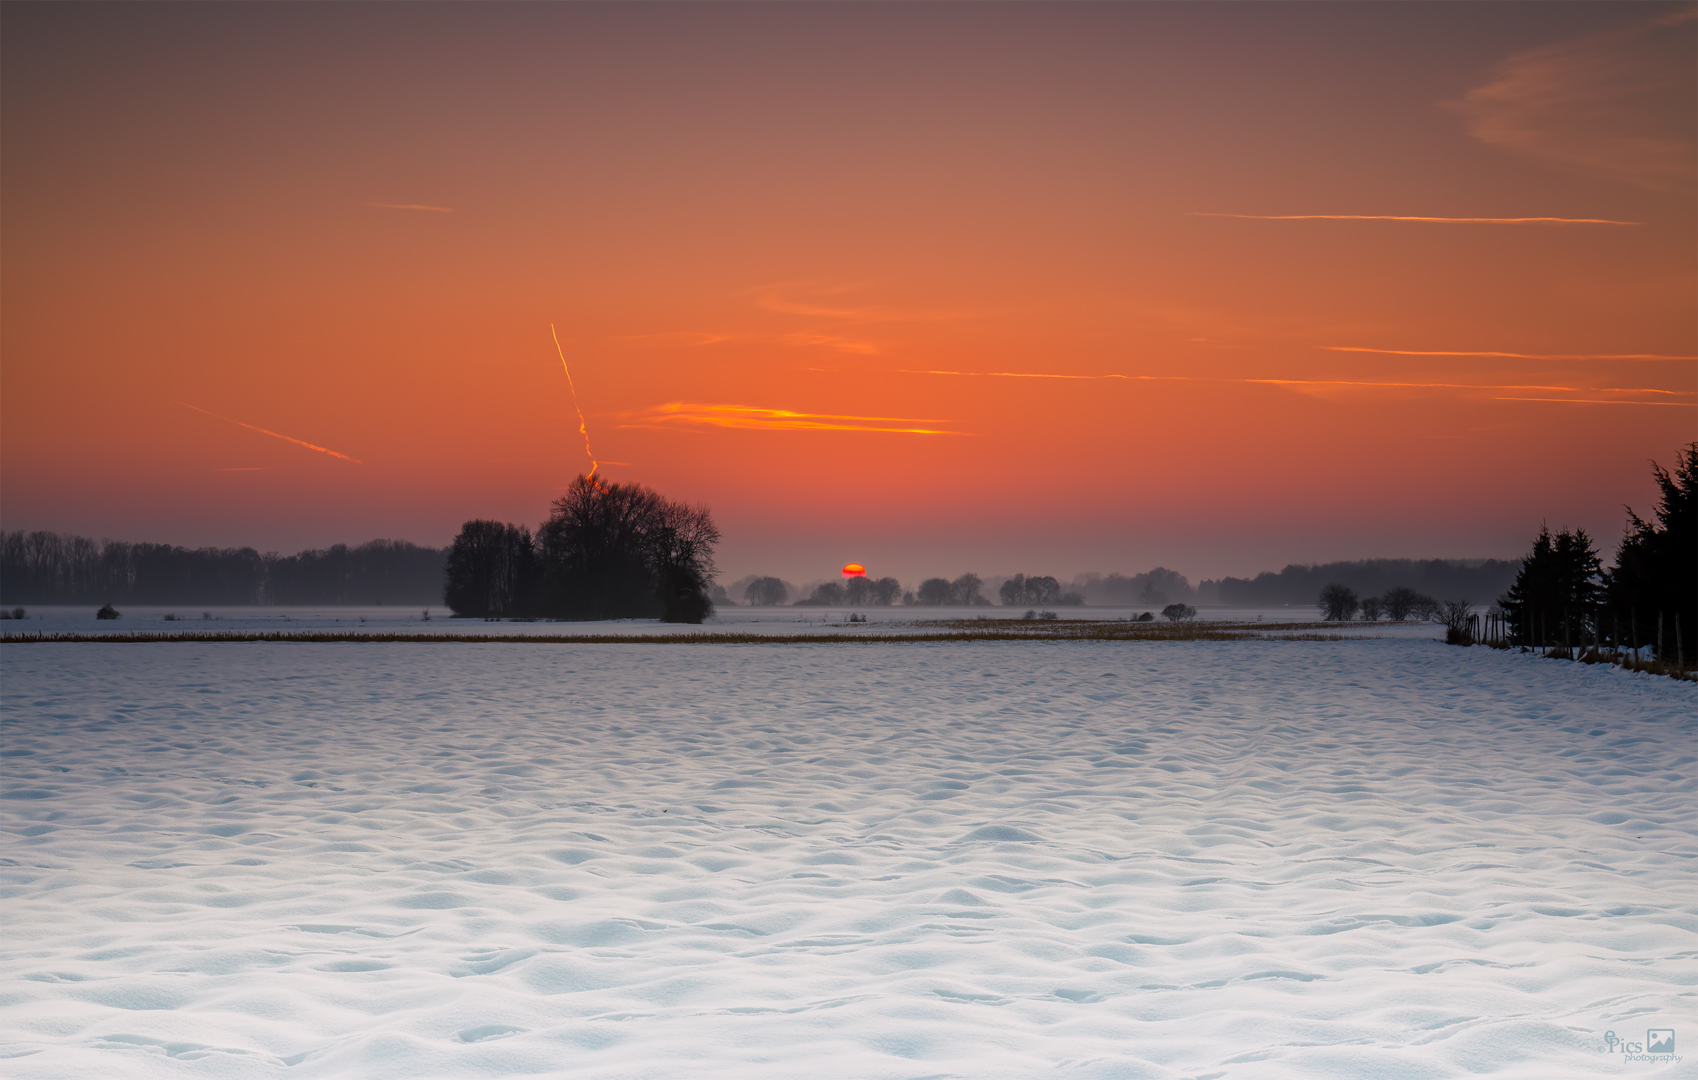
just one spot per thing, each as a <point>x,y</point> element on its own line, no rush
<point>787,621</point>
<point>1378,858</point>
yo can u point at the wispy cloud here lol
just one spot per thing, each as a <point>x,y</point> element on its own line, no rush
<point>1413,217</point>
<point>870,313</point>
<point>1596,401</point>
<point>801,339</point>
<point>1506,355</point>
<point>412,206</point>
<point>682,339</point>
<point>1314,384</point>
<point>273,434</point>
<point>1447,386</point>
<point>1047,375</point>
<point>831,341</point>
<point>690,414</point>
<point>1616,104</point>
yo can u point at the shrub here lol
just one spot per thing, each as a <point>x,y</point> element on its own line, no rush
<point>107,611</point>
<point>1179,612</point>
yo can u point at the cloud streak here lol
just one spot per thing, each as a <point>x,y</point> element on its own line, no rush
<point>1313,383</point>
<point>1597,401</point>
<point>866,314</point>
<point>412,206</point>
<point>1437,220</point>
<point>1045,375</point>
<point>690,414</point>
<point>1506,355</point>
<point>273,434</point>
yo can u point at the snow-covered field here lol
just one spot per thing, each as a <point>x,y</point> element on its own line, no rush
<point>1383,858</point>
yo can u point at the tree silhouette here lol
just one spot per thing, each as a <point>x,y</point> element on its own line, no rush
<point>766,592</point>
<point>492,571</point>
<point>1337,603</point>
<point>1401,602</point>
<point>964,590</point>
<point>1655,564</point>
<point>1556,590</point>
<point>886,591</point>
<point>621,551</point>
<point>934,592</point>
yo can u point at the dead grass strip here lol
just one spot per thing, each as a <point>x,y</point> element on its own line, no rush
<point>1051,632</point>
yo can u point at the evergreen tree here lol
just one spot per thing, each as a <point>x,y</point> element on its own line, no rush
<point>1556,592</point>
<point>1656,567</point>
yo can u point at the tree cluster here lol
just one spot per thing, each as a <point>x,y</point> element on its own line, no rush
<point>1158,587</point>
<point>1020,590</point>
<point>1656,566</point>
<point>855,592</point>
<point>50,568</point>
<point>1299,584</point>
<point>962,592</point>
<point>1338,603</point>
<point>607,551</point>
<point>766,592</point>
<point>1563,596</point>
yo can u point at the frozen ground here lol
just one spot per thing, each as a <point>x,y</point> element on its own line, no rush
<point>786,621</point>
<point>1252,859</point>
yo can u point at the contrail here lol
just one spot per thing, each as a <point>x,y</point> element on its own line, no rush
<point>1411,217</point>
<point>1507,355</point>
<point>583,429</point>
<point>273,434</point>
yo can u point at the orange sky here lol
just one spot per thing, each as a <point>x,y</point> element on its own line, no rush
<point>283,275</point>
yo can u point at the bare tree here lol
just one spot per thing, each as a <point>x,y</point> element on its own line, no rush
<point>1013,591</point>
<point>886,591</point>
<point>934,592</point>
<point>964,590</point>
<point>1455,614</point>
<point>1401,602</point>
<point>1337,603</point>
<point>766,592</point>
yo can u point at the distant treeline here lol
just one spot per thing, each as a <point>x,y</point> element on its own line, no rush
<point>50,568</point>
<point>1298,585</point>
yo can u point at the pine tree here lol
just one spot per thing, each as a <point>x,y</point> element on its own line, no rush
<point>1656,567</point>
<point>1555,595</point>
